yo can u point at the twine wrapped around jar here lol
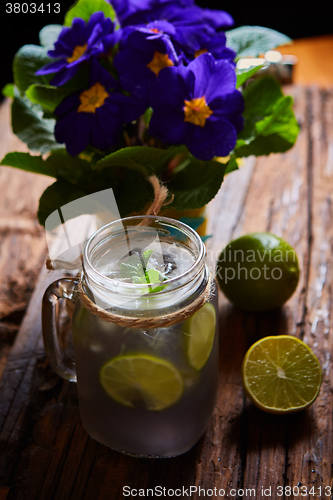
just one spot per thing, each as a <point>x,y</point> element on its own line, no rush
<point>162,320</point>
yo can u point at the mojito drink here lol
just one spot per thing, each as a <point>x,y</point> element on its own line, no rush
<point>146,391</point>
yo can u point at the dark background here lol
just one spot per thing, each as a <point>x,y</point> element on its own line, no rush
<point>296,21</point>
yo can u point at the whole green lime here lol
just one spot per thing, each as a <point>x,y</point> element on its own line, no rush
<point>258,271</point>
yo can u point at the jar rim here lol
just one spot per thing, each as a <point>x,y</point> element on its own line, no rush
<point>92,272</point>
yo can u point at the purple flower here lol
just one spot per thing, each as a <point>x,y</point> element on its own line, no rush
<point>217,47</point>
<point>143,53</point>
<point>143,11</point>
<point>77,44</point>
<point>126,8</point>
<point>219,19</point>
<point>193,26</point>
<point>95,116</point>
<point>198,106</point>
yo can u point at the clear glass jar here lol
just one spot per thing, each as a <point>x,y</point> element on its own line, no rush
<point>143,390</point>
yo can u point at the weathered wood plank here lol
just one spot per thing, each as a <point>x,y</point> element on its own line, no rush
<point>252,450</point>
<point>311,458</point>
<point>21,238</point>
<point>22,245</point>
<point>47,454</point>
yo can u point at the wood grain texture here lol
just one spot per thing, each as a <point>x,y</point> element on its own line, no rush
<point>22,245</point>
<point>45,452</point>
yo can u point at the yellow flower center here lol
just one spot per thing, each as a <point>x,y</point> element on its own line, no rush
<point>92,98</point>
<point>78,52</point>
<point>197,111</point>
<point>159,62</point>
<point>199,52</point>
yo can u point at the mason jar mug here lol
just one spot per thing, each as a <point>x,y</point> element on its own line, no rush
<point>144,332</point>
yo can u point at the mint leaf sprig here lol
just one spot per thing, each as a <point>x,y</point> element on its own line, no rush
<point>134,267</point>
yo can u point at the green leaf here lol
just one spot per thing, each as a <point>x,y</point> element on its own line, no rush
<point>131,267</point>
<point>47,96</point>
<point>270,125</point>
<point>27,61</point>
<point>27,162</point>
<point>49,35</point>
<point>244,75</point>
<point>85,8</point>
<point>144,159</point>
<point>280,120</point>
<point>8,90</point>
<point>153,275</point>
<point>55,196</point>
<point>196,184</point>
<point>30,126</point>
<point>147,116</point>
<point>59,164</point>
<point>146,255</point>
<point>254,40</point>
<point>231,166</point>
<point>69,168</point>
<point>132,190</point>
<point>134,267</point>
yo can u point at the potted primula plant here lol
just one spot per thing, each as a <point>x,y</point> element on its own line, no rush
<point>126,90</point>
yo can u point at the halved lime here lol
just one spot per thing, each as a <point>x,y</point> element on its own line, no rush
<point>281,374</point>
<point>142,380</point>
<point>200,332</point>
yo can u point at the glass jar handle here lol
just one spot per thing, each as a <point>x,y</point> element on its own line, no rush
<point>58,302</point>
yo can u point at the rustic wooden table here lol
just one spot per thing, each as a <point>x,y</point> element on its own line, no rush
<point>45,452</point>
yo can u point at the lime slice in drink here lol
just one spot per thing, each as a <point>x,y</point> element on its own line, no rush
<point>141,380</point>
<point>200,332</point>
<point>281,374</point>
